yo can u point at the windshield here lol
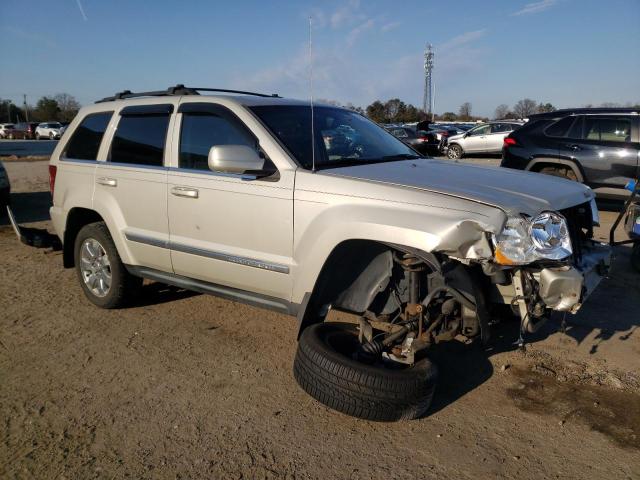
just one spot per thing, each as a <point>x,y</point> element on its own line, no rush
<point>342,137</point>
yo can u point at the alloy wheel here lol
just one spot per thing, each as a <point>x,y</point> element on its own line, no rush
<point>95,267</point>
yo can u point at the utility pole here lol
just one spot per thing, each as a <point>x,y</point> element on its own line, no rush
<point>24,104</point>
<point>427,104</point>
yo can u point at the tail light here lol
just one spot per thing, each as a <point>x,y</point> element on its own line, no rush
<point>444,134</point>
<point>508,142</point>
<point>52,178</point>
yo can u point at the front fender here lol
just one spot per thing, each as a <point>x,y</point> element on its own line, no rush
<point>322,227</point>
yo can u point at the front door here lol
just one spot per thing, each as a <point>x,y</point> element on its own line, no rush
<point>227,229</point>
<point>476,139</point>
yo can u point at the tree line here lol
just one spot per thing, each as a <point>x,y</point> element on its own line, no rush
<point>61,107</point>
<point>397,111</point>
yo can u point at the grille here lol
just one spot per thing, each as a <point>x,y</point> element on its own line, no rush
<point>580,224</point>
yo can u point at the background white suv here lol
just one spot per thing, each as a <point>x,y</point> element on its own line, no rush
<point>50,130</point>
<point>485,138</point>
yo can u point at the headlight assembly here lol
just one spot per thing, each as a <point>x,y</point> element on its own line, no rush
<point>525,240</point>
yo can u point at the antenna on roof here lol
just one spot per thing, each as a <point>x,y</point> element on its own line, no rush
<point>313,137</point>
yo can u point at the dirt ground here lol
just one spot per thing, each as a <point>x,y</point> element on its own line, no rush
<point>184,385</point>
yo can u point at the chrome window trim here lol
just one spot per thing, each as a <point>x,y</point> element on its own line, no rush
<point>225,257</point>
<point>77,160</point>
<point>133,165</point>
<point>193,171</point>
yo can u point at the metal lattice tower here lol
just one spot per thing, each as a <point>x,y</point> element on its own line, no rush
<point>427,104</point>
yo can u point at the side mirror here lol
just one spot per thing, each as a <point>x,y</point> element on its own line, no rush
<point>234,159</point>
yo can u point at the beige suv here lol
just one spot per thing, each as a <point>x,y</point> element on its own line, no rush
<point>242,196</point>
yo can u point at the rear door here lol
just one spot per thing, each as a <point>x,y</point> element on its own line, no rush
<point>606,146</point>
<point>131,185</point>
<point>495,138</point>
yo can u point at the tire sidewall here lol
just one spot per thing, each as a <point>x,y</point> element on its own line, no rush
<point>99,232</point>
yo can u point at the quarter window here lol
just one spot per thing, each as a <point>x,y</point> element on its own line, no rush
<point>607,129</point>
<point>201,131</point>
<point>85,141</point>
<point>140,139</point>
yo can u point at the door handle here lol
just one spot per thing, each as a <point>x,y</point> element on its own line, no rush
<point>109,182</point>
<point>572,146</point>
<point>187,192</point>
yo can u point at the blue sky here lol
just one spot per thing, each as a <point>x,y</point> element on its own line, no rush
<point>567,52</point>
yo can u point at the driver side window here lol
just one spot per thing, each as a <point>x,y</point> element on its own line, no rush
<point>201,131</point>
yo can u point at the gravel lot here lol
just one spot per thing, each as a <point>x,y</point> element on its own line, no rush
<point>190,386</point>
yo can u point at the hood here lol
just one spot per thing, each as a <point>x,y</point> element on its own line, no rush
<point>513,191</point>
<point>455,137</point>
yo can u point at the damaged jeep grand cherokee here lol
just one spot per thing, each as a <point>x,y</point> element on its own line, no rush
<point>303,209</point>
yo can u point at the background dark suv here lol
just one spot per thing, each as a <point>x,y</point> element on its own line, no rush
<point>24,130</point>
<point>596,146</point>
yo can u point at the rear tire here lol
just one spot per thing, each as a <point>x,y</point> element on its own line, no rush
<point>563,172</point>
<point>365,391</point>
<point>123,287</point>
<point>454,152</point>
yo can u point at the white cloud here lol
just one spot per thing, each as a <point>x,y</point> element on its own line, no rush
<point>535,7</point>
<point>346,15</point>
<point>462,39</point>
<point>353,35</point>
<point>390,26</point>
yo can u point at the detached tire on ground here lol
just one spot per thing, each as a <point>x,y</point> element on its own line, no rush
<point>325,370</point>
<point>101,273</point>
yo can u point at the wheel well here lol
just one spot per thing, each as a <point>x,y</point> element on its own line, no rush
<point>359,274</point>
<point>76,219</point>
<point>539,165</point>
<point>353,275</point>
<point>351,263</point>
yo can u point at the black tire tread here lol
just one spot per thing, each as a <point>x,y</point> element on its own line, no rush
<point>360,390</point>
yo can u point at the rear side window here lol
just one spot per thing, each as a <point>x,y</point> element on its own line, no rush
<point>560,128</point>
<point>85,141</point>
<point>500,127</point>
<point>607,129</point>
<point>201,131</point>
<point>140,139</point>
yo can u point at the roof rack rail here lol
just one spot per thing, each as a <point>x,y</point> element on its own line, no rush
<point>179,90</point>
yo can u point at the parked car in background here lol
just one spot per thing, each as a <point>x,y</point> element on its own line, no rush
<point>423,142</point>
<point>5,128</point>
<point>596,146</point>
<point>485,138</point>
<point>50,130</point>
<point>5,190</point>
<point>24,130</point>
